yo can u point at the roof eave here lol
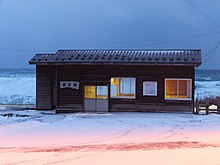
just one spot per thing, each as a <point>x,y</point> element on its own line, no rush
<point>101,63</point>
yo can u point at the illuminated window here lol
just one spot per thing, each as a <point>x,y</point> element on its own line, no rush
<point>96,92</point>
<point>123,87</point>
<point>90,92</point>
<point>178,89</point>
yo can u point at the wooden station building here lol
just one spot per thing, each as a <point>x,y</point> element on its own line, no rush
<point>116,80</point>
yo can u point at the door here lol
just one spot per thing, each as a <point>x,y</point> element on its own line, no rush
<point>96,98</point>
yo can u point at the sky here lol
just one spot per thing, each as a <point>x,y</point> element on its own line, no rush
<point>28,27</point>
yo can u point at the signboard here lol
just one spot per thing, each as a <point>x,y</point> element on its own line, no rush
<point>150,88</point>
<point>69,84</point>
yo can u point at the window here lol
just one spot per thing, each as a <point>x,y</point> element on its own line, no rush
<point>102,92</point>
<point>90,92</point>
<point>150,88</point>
<point>123,87</point>
<point>96,92</point>
<point>178,89</point>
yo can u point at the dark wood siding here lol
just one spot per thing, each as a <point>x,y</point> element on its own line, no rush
<point>45,87</point>
<point>88,74</point>
<point>69,98</point>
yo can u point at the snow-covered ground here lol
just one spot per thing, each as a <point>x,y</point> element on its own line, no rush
<point>33,137</point>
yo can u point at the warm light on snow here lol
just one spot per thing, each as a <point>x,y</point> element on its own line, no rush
<point>111,138</point>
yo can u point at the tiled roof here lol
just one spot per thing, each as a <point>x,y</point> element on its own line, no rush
<point>41,58</point>
<point>155,57</point>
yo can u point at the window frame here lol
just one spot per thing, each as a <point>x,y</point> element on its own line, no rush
<point>178,79</point>
<point>123,97</point>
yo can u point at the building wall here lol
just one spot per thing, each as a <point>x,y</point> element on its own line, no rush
<point>46,88</point>
<point>73,99</point>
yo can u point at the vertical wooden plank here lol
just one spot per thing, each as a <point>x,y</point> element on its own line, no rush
<point>56,88</point>
<point>218,105</point>
<point>37,87</point>
<point>207,106</point>
<point>193,86</point>
<point>197,106</point>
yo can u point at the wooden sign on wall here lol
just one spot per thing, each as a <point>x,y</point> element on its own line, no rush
<point>69,84</point>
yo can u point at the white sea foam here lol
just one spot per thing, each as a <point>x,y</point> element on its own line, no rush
<point>17,90</point>
<point>207,89</point>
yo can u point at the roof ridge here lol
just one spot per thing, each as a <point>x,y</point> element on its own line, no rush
<point>124,49</point>
<point>45,54</point>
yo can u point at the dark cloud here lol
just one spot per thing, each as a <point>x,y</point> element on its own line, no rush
<point>29,26</point>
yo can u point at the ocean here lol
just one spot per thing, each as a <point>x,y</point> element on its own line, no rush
<point>207,83</point>
<point>18,86</point>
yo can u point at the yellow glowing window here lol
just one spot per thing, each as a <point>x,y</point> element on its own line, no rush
<point>90,92</point>
<point>123,87</point>
<point>178,89</point>
<point>93,92</point>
